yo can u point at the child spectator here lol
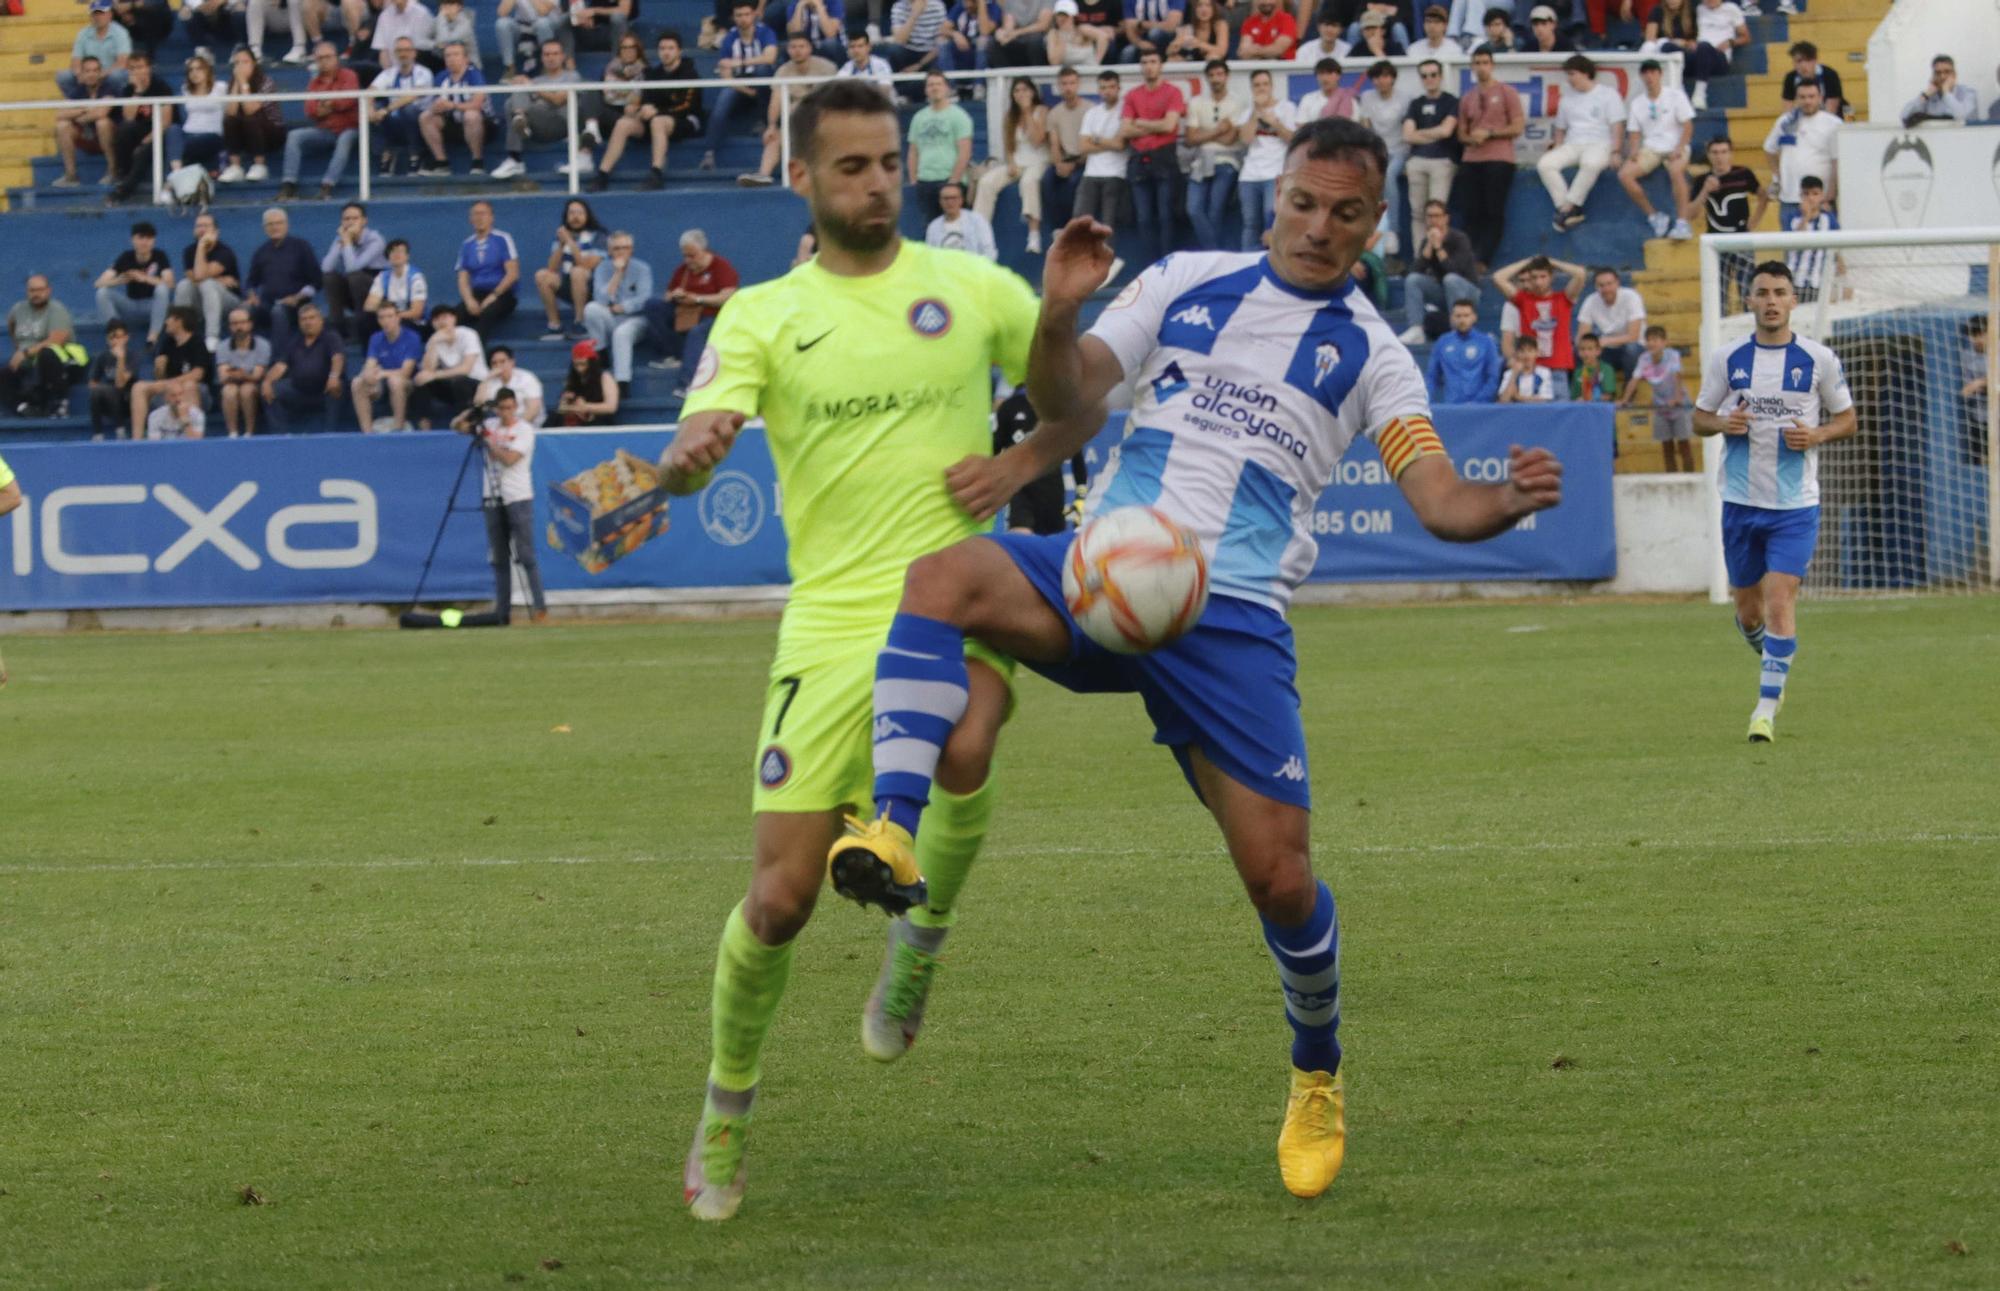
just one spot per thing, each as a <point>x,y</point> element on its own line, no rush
<point>1526,380</point>
<point>1545,313</point>
<point>1809,266</point>
<point>1659,370</point>
<point>1594,381</point>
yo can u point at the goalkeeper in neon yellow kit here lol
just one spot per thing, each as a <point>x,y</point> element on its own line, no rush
<point>871,367</point>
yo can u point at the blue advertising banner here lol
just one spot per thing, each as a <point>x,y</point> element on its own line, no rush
<point>240,522</point>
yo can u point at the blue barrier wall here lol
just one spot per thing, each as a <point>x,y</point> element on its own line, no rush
<point>347,518</point>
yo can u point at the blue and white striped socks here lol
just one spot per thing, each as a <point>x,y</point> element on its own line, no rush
<point>1309,970</point>
<point>1755,636</point>
<point>920,693</point>
<point>1778,652</point>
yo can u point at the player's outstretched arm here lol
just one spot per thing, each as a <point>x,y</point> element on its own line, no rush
<point>703,440</point>
<point>1458,511</point>
<point>1068,376</point>
<point>982,485</point>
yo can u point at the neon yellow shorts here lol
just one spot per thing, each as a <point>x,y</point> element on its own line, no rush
<point>815,748</point>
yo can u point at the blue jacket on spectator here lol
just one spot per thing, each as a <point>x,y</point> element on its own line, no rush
<point>634,290</point>
<point>1464,369</point>
<point>284,268</point>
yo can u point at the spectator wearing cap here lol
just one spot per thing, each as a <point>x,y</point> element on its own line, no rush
<point>1659,132</point>
<point>1268,32</point>
<point>1072,42</point>
<point>1391,14</point>
<point>1808,70</point>
<point>1430,128</point>
<point>1589,132</point>
<point>1944,99</point>
<point>620,287</point>
<point>702,284</point>
<point>334,121</point>
<point>139,285</point>
<point>284,274</point>
<point>89,126</point>
<point>589,394</point>
<point>1377,38</point>
<point>1491,120</point>
<point>356,254</point>
<point>390,366</point>
<point>103,40</point>
<point>1441,270</point>
<point>961,228</point>
<point>302,387</point>
<point>1437,43</point>
<point>1545,33</point>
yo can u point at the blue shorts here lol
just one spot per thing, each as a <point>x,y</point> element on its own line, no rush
<point>1227,687</point>
<point>1756,540</point>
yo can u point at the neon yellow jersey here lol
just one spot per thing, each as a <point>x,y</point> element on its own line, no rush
<point>869,388</point>
<point>6,473</point>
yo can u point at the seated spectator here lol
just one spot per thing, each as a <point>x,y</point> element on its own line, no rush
<point>454,27</point>
<point>400,20</point>
<point>1594,381</point>
<point>959,228</point>
<point>1719,28</point>
<point>667,113</point>
<point>44,335</point>
<point>454,365</point>
<point>241,363</point>
<point>302,386</point>
<point>1069,41</point>
<point>488,270</point>
<point>89,127</point>
<point>147,21</point>
<point>1589,132</point>
<point>307,19</point>
<point>352,261</point>
<point>940,147</point>
<point>574,255</point>
<point>1149,27</point>
<point>701,285</point>
<point>1465,363</point>
<point>1545,314</point>
<point>139,285</point>
<point>1436,44</point>
<point>1268,33</point>
<point>1616,315</point>
<point>284,274</point>
<point>501,373</point>
<point>461,106</point>
<point>132,137</point>
<point>332,123</point>
<point>1526,380</point>
<point>1441,271</point>
<point>1808,70</point>
<point>1376,40</point>
<point>599,24</point>
<point>253,130</point>
<point>1388,15</point>
<point>911,43</point>
<point>621,286</point>
<point>1545,34</point>
<point>865,63</point>
<point>800,61</point>
<point>1204,36</point>
<point>589,394</point>
<point>389,368</point>
<point>104,40</point>
<point>966,43</point>
<point>179,416</point>
<point>1022,38</point>
<point>1498,31</point>
<point>824,25</point>
<point>1024,156</point>
<point>749,53</point>
<point>400,119</point>
<point>1944,99</point>
<point>399,285</point>
<point>1331,98</point>
<point>1273,121</point>
<point>1659,129</point>
<point>211,280</point>
<point>182,361</point>
<point>1328,44</point>
<point>1659,370</point>
<point>201,116</point>
<point>112,373</point>
<point>539,113</point>
<point>523,27</point>
<point>603,111</point>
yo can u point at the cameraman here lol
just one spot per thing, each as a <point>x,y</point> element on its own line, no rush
<point>509,444</point>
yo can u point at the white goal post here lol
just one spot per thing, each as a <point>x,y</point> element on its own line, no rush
<point>1911,505</point>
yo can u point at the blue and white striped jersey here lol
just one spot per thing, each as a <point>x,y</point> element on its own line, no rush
<point>1798,381</point>
<point>1246,392</point>
<point>1809,267</point>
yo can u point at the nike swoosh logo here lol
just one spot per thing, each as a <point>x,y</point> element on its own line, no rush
<point>803,346</point>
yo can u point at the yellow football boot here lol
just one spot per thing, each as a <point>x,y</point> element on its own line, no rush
<point>875,863</point>
<point>1762,730</point>
<point>1314,1140</point>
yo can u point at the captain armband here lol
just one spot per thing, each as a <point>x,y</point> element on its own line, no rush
<point>1406,439</point>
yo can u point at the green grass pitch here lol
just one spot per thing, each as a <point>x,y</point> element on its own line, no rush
<point>411,935</point>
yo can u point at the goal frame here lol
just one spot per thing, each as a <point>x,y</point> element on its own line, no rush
<point>1714,246</point>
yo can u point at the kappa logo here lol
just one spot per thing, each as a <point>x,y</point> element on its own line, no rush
<point>1292,770</point>
<point>886,728</point>
<point>1195,316</point>
<point>774,766</point>
<point>1739,375</point>
<point>1325,359</point>
<point>930,317</point>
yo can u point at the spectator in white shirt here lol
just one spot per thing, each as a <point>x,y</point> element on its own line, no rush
<point>454,365</point>
<point>1329,43</point>
<point>1616,315</point>
<point>1719,27</point>
<point>1437,43</point>
<point>397,20</point>
<point>959,228</point>
<point>1589,132</point>
<point>1526,380</point>
<point>180,417</point>
<point>1802,142</point>
<point>1659,127</point>
<point>1273,122</point>
<point>864,62</point>
<point>509,442</point>
<point>1102,192</point>
<point>1944,99</point>
<point>503,373</point>
<point>1382,107</point>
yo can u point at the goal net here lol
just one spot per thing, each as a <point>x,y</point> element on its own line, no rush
<point>1909,506</point>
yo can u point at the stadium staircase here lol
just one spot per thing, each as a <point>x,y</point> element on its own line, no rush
<point>34,46</point>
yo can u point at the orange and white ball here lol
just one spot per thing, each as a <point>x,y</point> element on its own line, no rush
<point>1135,580</point>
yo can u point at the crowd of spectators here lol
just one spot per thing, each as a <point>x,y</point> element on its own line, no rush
<point>291,341</point>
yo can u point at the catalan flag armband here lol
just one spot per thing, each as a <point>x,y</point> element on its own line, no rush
<point>1404,440</point>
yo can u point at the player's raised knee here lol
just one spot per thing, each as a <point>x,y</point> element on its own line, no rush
<point>1281,886</point>
<point>942,585</point>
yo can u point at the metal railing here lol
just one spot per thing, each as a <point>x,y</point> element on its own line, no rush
<point>994,79</point>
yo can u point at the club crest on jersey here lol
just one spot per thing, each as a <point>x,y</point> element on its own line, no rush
<point>774,767</point>
<point>1325,359</point>
<point>1169,383</point>
<point>1798,376</point>
<point>930,318</point>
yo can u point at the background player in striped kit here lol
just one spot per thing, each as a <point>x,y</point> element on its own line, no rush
<point>1786,395</point>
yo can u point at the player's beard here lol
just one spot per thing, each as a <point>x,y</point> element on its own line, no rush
<point>852,236</point>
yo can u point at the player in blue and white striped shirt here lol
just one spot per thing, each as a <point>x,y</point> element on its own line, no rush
<point>1252,374</point>
<point>1785,395</point>
<point>1809,266</point>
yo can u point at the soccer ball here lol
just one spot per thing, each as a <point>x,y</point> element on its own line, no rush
<point>1134,580</point>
